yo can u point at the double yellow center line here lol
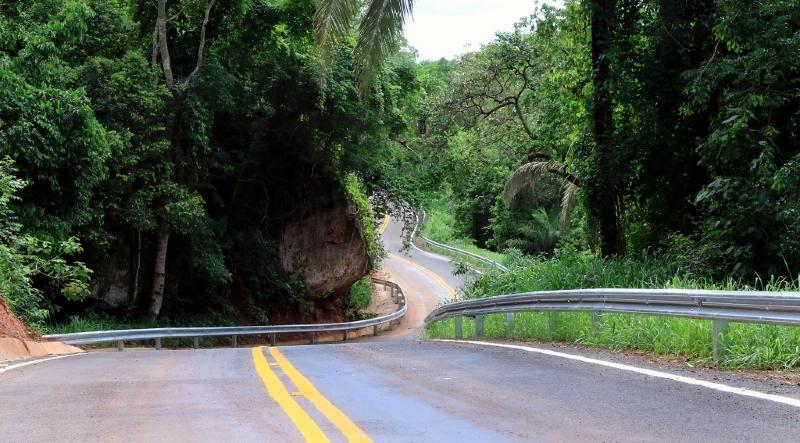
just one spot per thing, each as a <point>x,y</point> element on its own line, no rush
<point>305,424</point>
<point>384,225</point>
<point>432,275</point>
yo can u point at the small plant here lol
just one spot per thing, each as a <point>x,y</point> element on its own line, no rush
<point>358,298</point>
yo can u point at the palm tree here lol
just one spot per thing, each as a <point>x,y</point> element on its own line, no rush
<point>380,31</point>
<point>528,175</point>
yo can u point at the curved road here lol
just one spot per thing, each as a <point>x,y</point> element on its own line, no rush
<point>427,280</point>
<point>393,391</point>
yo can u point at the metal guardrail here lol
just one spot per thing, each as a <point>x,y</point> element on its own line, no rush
<point>157,334</point>
<point>474,256</point>
<point>718,306</point>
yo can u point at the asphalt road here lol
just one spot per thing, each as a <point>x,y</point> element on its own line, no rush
<point>401,391</point>
<point>396,390</point>
<point>397,261</point>
<point>427,281</point>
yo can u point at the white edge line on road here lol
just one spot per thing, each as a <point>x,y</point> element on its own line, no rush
<point>36,362</point>
<point>649,372</point>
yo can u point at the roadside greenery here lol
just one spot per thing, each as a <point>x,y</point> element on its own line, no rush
<point>440,226</point>
<point>26,260</point>
<point>152,169</point>
<point>357,195</point>
<point>177,153</point>
<point>748,346</point>
<point>358,298</point>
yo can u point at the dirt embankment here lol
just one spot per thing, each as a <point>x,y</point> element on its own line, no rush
<point>17,342</point>
<point>11,326</point>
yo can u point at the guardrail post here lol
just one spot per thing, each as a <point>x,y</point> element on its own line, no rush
<point>375,330</point>
<point>273,339</point>
<point>551,324</point>
<point>459,332</point>
<point>311,338</point>
<point>234,341</point>
<point>344,335</point>
<point>158,344</point>
<point>718,330</point>
<point>196,342</point>
<point>120,345</point>
<point>479,325</point>
<point>509,323</point>
<point>595,323</point>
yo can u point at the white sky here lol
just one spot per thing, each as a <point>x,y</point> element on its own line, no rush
<point>446,28</point>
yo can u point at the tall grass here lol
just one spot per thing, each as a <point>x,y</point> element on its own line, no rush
<point>747,345</point>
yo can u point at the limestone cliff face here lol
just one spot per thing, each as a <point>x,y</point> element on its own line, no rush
<point>327,249</point>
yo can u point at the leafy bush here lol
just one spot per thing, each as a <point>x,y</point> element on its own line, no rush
<point>25,258</point>
<point>358,298</point>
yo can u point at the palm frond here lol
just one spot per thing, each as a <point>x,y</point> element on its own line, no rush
<point>333,24</point>
<point>524,177</point>
<point>568,202</point>
<point>380,33</point>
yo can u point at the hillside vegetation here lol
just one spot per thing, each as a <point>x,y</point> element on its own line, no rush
<point>185,161</point>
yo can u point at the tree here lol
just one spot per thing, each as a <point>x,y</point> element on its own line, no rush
<point>603,187</point>
<point>380,31</point>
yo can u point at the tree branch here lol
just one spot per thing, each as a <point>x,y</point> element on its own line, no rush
<point>154,55</point>
<point>202,45</point>
<point>522,119</point>
<point>161,27</point>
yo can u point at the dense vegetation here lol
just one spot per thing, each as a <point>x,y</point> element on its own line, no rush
<point>164,146</point>
<point>626,144</point>
<point>698,152</point>
<point>156,152</point>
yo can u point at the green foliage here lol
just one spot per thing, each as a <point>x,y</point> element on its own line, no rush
<point>358,298</point>
<point>748,346</point>
<point>223,159</point>
<point>573,270</point>
<point>356,193</point>
<point>440,226</point>
<point>751,149</point>
<point>26,259</point>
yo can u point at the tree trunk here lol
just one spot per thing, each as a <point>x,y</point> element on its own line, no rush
<point>160,270</point>
<point>604,190</point>
<point>137,269</point>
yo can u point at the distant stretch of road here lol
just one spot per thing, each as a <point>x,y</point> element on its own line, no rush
<point>427,280</point>
<point>392,390</point>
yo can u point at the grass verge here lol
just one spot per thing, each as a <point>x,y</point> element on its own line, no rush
<point>439,227</point>
<point>747,345</point>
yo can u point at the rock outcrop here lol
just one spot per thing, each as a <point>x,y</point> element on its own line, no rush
<point>326,249</point>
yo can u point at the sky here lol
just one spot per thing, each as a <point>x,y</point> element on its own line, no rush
<point>446,28</point>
